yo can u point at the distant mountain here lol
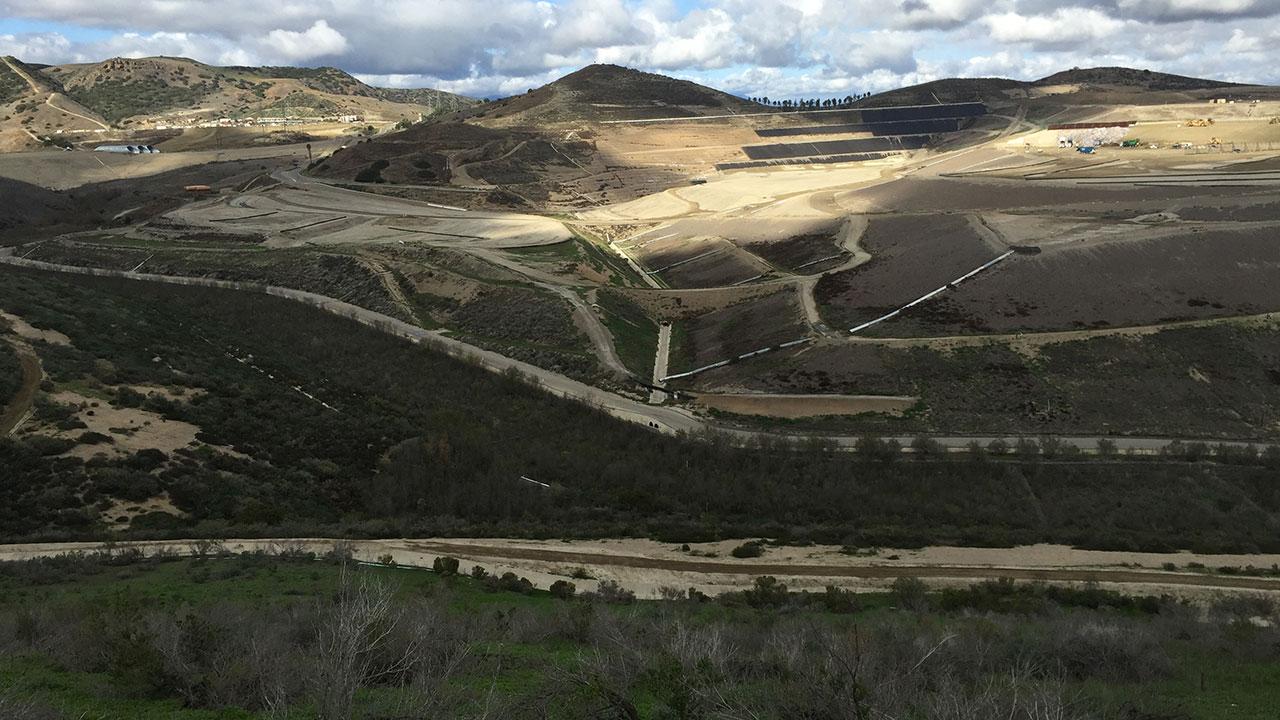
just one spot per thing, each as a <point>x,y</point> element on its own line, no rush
<point>1130,78</point>
<point>37,101</point>
<point>609,92</point>
<point>1113,79</point>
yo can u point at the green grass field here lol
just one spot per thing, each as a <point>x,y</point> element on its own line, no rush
<point>128,638</point>
<point>634,334</point>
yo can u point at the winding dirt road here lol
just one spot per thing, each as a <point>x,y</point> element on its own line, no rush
<point>15,412</point>
<point>665,419</point>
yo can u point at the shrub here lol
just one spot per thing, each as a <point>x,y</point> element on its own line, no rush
<point>910,593</point>
<point>94,438</point>
<point>753,549</point>
<point>508,582</point>
<point>563,590</point>
<point>839,600</point>
<point>611,592</point>
<point>768,592</point>
<point>446,566</point>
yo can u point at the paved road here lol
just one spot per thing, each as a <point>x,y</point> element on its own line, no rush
<point>663,354</point>
<point>664,419</point>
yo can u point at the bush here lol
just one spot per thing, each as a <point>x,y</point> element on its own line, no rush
<point>446,566</point>
<point>563,590</point>
<point>840,601</point>
<point>94,438</point>
<point>753,549</point>
<point>373,173</point>
<point>910,593</point>
<point>768,592</point>
<point>508,582</point>
<point>611,592</point>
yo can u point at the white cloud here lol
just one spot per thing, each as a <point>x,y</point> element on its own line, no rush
<point>494,46</point>
<point>1241,43</point>
<point>1065,27</point>
<point>319,40</point>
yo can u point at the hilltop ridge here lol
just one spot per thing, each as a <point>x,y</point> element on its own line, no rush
<point>609,92</point>
<point>38,101</point>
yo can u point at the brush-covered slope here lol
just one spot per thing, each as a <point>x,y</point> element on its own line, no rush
<point>128,91</point>
<point>1129,78</point>
<point>609,92</point>
<point>1128,85</point>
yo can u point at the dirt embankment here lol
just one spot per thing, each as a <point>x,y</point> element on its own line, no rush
<point>802,406</point>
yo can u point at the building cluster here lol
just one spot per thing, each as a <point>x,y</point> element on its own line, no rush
<point>259,121</point>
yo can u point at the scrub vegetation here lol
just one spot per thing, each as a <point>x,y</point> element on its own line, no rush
<point>419,444</point>
<point>220,637</point>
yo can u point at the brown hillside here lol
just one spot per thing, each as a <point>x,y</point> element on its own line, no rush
<point>608,92</point>
<point>129,90</point>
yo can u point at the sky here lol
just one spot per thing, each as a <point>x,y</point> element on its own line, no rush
<point>774,48</point>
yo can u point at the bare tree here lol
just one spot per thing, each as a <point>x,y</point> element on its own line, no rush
<point>352,632</point>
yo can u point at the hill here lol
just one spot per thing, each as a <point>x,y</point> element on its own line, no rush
<point>28,205</point>
<point>1126,81</point>
<point>526,145</point>
<point>609,92</point>
<point>439,100</point>
<point>949,90</point>
<point>550,142</point>
<point>40,101</point>
<point>124,90</point>
<point>1130,78</point>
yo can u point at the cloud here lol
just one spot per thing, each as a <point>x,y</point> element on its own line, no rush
<point>37,47</point>
<point>319,40</point>
<point>491,47</point>
<point>935,14</point>
<point>1182,10</point>
<point>1064,28</point>
<point>1242,43</point>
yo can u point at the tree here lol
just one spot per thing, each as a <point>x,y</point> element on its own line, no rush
<point>349,637</point>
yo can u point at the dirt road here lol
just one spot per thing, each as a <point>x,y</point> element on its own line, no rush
<point>664,419</point>
<point>584,317</point>
<point>645,566</point>
<point>63,109</point>
<point>15,412</point>
<point>1031,341</point>
<point>755,568</point>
